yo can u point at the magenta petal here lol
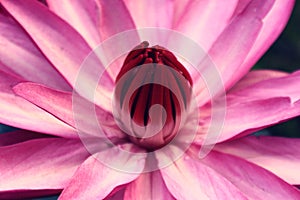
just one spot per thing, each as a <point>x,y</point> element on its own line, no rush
<point>16,111</point>
<point>148,186</point>
<point>203,21</point>
<point>220,176</point>
<point>270,88</point>
<point>62,105</point>
<point>189,178</point>
<point>23,58</point>
<point>256,76</point>
<point>96,180</point>
<point>251,179</point>
<point>234,43</point>
<point>260,105</point>
<point>180,7</point>
<point>39,164</point>
<point>230,49</point>
<point>57,103</point>
<point>53,36</point>
<point>279,155</point>
<point>273,24</point>
<point>116,21</point>
<point>154,13</point>
<point>243,118</point>
<point>81,15</point>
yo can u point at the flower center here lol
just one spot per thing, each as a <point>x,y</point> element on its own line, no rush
<point>152,95</point>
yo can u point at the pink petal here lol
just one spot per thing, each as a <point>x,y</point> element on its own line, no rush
<point>53,36</point>
<point>116,21</point>
<point>279,155</point>
<point>148,186</point>
<point>96,180</point>
<point>259,105</point>
<point>23,58</point>
<point>191,179</point>
<point>275,87</point>
<point>247,117</point>
<point>39,164</point>
<point>203,21</point>
<point>220,176</point>
<point>180,7</point>
<point>16,111</point>
<point>84,16</point>
<point>232,46</point>
<point>273,24</point>
<point>240,38</point>
<point>18,136</point>
<point>256,76</point>
<point>155,13</point>
<point>63,106</point>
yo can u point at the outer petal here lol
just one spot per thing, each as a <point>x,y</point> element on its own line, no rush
<point>273,24</point>
<point>53,36</point>
<point>96,22</point>
<point>84,16</point>
<point>279,155</point>
<point>220,176</point>
<point>232,46</point>
<point>203,21</point>
<point>23,58</point>
<point>17,112</point>
<point>260,105</point>
<point>148,186</point>
<point>155,13</point>
<point>96,180</point>
<point>189,179</point>
<point>114,22</point>
<point>40,164</point>
<point>275,87</point>
<point>73,110</point>
<point>256,76</point>
<point>180,7</point>
<point>247,117</point>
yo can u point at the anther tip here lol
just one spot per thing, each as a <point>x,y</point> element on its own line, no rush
<point>145,44</point>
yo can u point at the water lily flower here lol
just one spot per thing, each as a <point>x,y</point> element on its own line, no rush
<point>42,51</point>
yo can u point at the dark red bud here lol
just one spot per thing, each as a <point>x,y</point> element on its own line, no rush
<point>152,76</point>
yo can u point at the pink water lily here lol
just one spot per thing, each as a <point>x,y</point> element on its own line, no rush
<point>42,50</point>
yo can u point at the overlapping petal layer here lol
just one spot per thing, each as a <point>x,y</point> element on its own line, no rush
<point>72,109</point>
<point>38,165</point>
<point>210,178</point>
<point>96,180</point>
<point>16,111</point>
<point>84,16</point>
<point>21,57</point>
<point>148,186</point>
<point>156,13</point>
<point>260,103</point>
<point>205,20</point>
<point>273,24</point>
<point>53,36</point>
<point>279,155</point>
